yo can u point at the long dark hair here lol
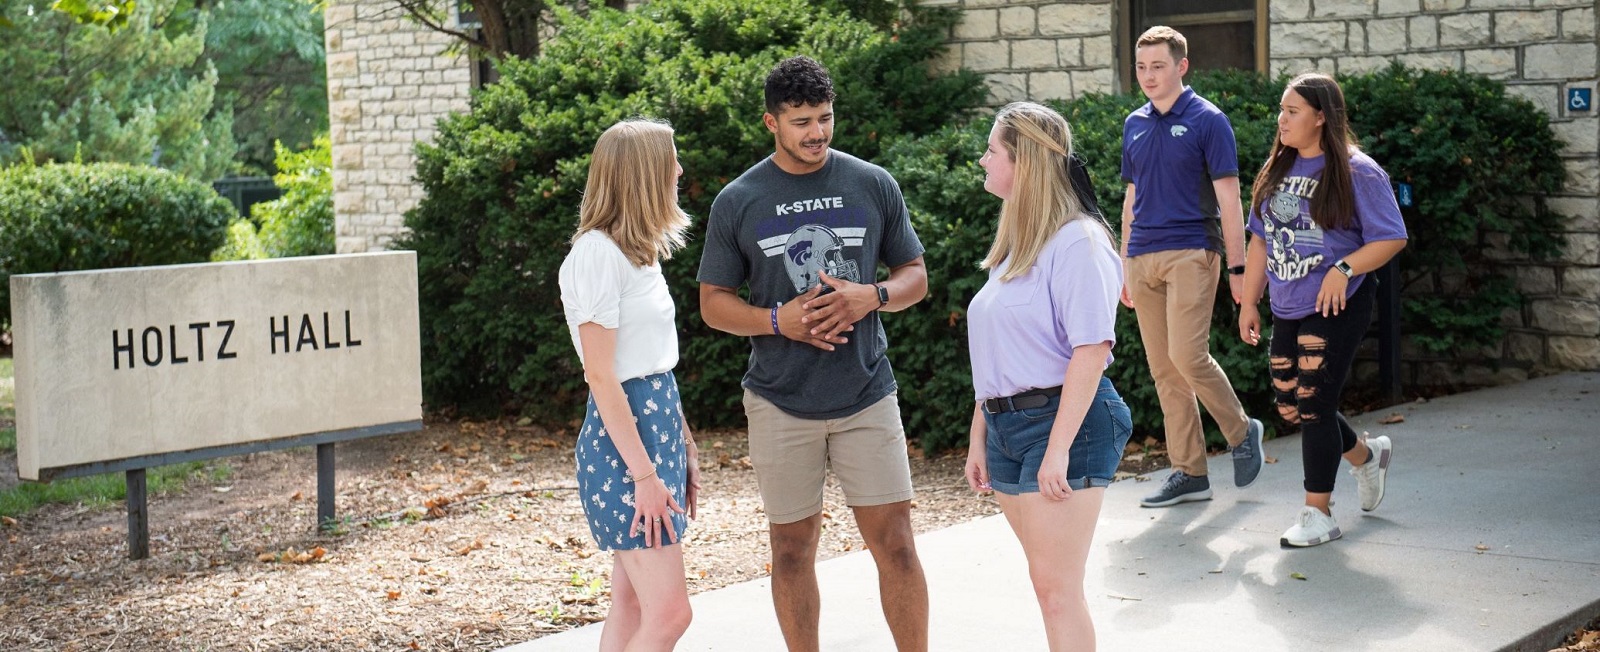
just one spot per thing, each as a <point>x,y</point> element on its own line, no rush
<point>1333,206</point>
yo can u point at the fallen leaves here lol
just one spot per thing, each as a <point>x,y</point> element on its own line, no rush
<point>436,505</point>
<point>8,521</point>
<point>1298,576</point>
<point>291,556</point>
<point>477,544</point>
<point>1392,418</point>
<point>416,553</point>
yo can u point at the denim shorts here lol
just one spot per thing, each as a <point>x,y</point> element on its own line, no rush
<point>1017,440</point>
<point>604,483</point>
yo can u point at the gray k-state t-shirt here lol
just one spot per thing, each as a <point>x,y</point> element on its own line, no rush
<point>778,232</point>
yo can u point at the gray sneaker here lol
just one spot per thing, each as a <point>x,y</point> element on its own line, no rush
<point>1247,456</point>
<point>1370,476</point>
<point>1180,487</point>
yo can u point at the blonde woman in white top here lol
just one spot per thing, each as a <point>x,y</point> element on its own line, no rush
<point>636,458</point>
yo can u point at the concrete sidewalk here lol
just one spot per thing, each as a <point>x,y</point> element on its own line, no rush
<point>1514,470</point>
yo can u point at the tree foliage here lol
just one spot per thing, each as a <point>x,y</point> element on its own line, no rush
<point>299,223</point>
<point>272,73</point>
<point>110,15</point>
<point>141,94</point>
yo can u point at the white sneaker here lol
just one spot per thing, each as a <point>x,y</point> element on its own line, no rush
<point>1311,528</point>
<point>1370,476</point>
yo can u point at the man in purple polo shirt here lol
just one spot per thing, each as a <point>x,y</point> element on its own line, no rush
<point>1181,217</point>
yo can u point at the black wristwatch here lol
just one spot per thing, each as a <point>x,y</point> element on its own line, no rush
<point>883,295</point>
<point>1236,270</point>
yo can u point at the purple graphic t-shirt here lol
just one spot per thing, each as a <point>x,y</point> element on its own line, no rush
<point>1300,253</point>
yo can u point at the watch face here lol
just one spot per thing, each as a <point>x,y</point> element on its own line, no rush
<point>883,295</point>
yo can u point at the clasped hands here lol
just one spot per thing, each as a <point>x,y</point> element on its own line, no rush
<point>821,319</point>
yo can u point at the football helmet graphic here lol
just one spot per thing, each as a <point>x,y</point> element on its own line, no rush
<point>813,249</point>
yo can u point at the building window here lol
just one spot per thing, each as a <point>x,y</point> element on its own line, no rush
<point>1222,34</point>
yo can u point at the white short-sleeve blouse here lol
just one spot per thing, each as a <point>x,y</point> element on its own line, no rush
<point>599,284</point>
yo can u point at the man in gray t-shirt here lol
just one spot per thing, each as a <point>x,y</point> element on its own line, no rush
<point>806,230</point>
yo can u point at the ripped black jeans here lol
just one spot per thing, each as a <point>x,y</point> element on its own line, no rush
<point>1310,361</point>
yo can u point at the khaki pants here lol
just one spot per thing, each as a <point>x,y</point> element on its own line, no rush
<point>1173,292</point>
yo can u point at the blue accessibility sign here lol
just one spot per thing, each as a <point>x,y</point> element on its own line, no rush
<point>1580,99</point>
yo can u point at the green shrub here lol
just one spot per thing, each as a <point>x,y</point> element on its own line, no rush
<point>58,218</point>
<point>299,223</point>
<point>1474,157</point>
<point>1472,153</point>
<point>503,182</point>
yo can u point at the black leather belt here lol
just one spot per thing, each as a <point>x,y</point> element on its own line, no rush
<point>1030,399</point>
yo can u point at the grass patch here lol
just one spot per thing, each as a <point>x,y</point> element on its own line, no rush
<point>105,488</point>
<point>8,407</point>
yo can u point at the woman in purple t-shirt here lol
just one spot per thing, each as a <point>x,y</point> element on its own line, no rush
<point>1323,216</point>
<point>1048,429</point>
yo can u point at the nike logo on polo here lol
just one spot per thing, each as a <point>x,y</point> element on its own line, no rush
<point>1179,130</point>
<point>1139,135</point>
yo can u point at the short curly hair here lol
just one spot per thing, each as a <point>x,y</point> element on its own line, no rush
<point>796,81</point>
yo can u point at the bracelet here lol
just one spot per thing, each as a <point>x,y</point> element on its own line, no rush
<point>646,476</point>
<point>775,330</point>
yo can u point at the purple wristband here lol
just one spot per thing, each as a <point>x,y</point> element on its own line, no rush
<point>775,330</point>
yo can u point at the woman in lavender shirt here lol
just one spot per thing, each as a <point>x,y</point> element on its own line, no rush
<point>1048,428</point>
<point>1323,217</point>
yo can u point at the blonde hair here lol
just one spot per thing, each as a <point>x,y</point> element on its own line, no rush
<point>631,194</point>
<point>1039,142</point>
<point>1176,43</point>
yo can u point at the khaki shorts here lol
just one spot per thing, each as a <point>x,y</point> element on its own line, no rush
<point>791,455</point>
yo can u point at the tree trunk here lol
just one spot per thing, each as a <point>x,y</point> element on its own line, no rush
<point>511,26</point>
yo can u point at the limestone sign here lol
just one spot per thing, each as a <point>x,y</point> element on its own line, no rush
<point>128,365</point>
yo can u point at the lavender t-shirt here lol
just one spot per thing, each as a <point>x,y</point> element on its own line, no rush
<point>1021,332</point>
<point>1300,253</point>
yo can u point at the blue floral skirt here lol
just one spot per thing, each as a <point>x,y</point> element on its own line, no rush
<point>604,483</point>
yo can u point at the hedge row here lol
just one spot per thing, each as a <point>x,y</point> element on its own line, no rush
<point>503,181</point>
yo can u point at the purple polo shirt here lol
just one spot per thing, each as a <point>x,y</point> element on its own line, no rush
<point>1171,159</point>
<point>1021,332</point>
<point>1300,253</point>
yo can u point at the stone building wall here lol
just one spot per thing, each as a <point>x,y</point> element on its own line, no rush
<point>1539,48</point>
<point>389,83</point>
<point>1030,50</point>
